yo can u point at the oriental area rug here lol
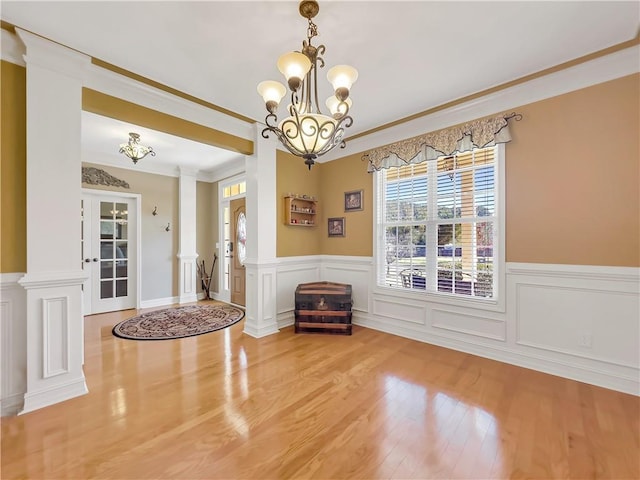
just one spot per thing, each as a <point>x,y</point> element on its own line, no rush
<point>178,322</point>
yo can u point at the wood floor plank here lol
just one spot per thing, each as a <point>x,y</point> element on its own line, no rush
<point>365,406</point>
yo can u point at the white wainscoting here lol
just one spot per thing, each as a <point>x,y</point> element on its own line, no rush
<point>578,322</point>
<point>293,271</point>
<point>13,343</point>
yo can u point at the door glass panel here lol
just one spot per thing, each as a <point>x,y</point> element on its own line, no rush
<point>121,212</point>
<point>106,229</point>
<point>121,268</point>
<point>106,250</point>
<point>122,250</point>
<point>121,230</point>
<point>106,269</point>
<point>121,288</point>
<point>106,210</point>
<point>106,289</point>
<point>242,238</point>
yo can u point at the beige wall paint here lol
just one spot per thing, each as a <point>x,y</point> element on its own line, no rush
<point>337,177</point>
<point>573,173</point>
<point>159,247</point>
<point>292,176</point>
<point>13,168</point>
<point>205,235</point>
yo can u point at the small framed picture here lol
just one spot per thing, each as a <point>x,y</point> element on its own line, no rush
<point>336,227</point>
<point>353,201</point>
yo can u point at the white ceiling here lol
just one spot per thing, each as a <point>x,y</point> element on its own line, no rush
<point>411,56</point>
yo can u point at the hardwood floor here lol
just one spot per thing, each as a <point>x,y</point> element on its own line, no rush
<point>372,405</point>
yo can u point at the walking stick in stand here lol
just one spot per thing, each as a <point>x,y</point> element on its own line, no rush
<point>205,277</point>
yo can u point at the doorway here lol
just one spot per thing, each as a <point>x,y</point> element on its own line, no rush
<point>109,251</point>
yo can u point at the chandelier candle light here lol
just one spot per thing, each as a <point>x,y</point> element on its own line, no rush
<point>307,132</point>
<point>134,150</point>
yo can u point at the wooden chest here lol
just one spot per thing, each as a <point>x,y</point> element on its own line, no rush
<point>323,307</point>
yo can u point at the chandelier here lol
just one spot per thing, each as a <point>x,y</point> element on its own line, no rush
<point>134,150</point>
<point>307,132</point>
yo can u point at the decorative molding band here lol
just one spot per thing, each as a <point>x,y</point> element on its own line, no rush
<point>53,279</point>
<point>97,176</point>
<point>591,272</point>
<point>10,280</point>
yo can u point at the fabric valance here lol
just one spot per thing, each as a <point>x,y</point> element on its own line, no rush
<point>484,132</point>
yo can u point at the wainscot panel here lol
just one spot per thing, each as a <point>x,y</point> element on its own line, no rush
<point>13,343</point>
<point>394,309</point>
<point>291,272</point>
<point>481,326</point>
<point>355,271</point>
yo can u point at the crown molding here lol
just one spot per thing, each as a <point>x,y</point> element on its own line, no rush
<point>599,70</point>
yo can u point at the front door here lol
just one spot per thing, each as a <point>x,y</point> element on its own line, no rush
<point>109,253</point>
<point>238,250</point>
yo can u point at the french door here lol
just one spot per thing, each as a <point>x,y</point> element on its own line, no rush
<point>109,252</point>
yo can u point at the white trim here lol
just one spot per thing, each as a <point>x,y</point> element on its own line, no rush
<point>48,321</point>
<point>13,49</point>
<point>52,279</point>
<point>137,198</point>
<point>594,272</point>
<point>159,302</point>
<point>626,380</point>
<point>612,362</point>
<point>54,394</point>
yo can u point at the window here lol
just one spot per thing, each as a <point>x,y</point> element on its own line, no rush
<point>438,225</point>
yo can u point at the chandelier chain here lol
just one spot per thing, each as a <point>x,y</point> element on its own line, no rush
<point>312,31</point>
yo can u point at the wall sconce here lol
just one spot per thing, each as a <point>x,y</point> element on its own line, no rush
<point>168,227</point>
<point>155,211</point>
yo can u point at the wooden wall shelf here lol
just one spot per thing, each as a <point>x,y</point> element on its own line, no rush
<point>300,211</point>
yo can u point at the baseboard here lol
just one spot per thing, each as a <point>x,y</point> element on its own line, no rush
<point>11,405</point>
<point>286,319</point>
<point>627,383</point>
<point>44,398</point>
<point>159,302</point>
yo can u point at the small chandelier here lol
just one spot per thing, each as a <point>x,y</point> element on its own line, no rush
<point>307,132</point>
<point>134,150</point>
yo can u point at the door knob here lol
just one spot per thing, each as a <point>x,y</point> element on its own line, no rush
<point>95,259</point>
<point>87,260</point>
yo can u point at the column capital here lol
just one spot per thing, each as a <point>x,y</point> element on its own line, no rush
<point>53,56</point>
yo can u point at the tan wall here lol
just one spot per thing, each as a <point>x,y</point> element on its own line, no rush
<point>206,234</point>
<point>292,176</point>
<point>159,247</point>
<point>340,176</point>
<point>13,164</point>
<point>572,183</point>
<point>573,173</point>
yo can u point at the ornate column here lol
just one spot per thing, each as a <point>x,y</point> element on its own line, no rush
<point>187,246</point>
<point>54,342</point>
<point>261,262</point>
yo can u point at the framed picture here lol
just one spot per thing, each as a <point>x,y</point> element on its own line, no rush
<point>336,227</point>
<point>353,201</point>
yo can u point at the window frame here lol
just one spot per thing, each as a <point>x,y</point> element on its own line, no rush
<point>497,302</point>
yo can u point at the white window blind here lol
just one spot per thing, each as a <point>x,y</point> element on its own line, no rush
<point>437,225</point>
